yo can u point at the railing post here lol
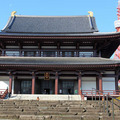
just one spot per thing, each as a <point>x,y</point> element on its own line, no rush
<point>104,103</point>
<point>107,104</point>
<point>113,108</point>
<point>92,94</point>
<point>95,94</point>
<point>99,99</point>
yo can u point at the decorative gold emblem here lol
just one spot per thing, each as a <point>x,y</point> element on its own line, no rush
<point>46,76</point>
<point>90,13</point>
<point>13,13</point>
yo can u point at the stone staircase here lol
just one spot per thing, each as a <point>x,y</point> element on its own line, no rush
<point>54,110</point>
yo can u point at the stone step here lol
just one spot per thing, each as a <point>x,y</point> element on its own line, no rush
<point>8,116</point>
<point>52,117</point>
<point>50,106</point>
<point>63,117</point>
<point>47,112</point>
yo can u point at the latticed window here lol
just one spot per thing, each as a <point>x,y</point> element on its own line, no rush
<point>26,87</point>
<point>29,53</point>
<point>67,54</point>
<point>49,54</point>
<point>85,54</point>
<point>12,53</point>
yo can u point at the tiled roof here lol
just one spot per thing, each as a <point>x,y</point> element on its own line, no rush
<point>57,61</point>
<point>51,24</point>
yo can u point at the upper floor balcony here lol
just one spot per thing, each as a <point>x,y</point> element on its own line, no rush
<point>48,53</point>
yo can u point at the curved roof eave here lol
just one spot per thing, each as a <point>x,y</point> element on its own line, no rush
<point>71,35</point>
<point>58,61</point>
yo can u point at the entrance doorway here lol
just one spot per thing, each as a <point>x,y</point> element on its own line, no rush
<point>46,91</point>
<point>26,87</point>
<point>46,86</point>
<point>70,91</point>
<point>68,87</point>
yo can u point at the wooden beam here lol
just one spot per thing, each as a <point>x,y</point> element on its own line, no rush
<point>104,44</point>
<point>90,72</point>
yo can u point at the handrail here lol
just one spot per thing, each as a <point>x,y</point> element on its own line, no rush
<point>113,103</point>
<point>107,99</point>
<point>113,98</point>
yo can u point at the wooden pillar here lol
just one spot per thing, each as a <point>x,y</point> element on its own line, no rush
<point>79,84</point>
<point>100,82</point>
<point>116,81</point>
<point>33,83</point>
<point>39,52</point>
<point>56,83</point>
<point>10,83</point>
<point>97,82</point>
<point>77,52</point>
<point>99,53</point>
<point>20,53</point>
<point>3,53</point>
<point>58,49</point>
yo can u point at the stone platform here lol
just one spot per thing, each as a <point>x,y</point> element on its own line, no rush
<point>45,97</point>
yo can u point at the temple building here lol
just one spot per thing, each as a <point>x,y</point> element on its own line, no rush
<point>57,55</point>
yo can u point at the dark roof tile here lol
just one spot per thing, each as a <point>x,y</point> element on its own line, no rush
<point>48,24</point>
<point>57,61</point>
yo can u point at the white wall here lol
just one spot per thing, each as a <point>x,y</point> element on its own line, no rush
<point>88,83</point>
<point>108,83</point>
<point>4,83</point>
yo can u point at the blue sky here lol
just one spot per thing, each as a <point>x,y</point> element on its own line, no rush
<point>104,10</point>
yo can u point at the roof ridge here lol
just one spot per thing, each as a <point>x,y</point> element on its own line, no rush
<point>51,16</point>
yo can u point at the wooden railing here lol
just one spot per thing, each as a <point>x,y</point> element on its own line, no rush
<point>105,92</point>
<point>3,93</point>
